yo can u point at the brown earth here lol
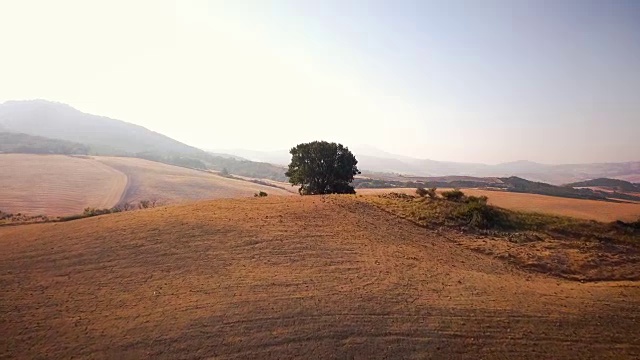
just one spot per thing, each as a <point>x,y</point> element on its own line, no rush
<point>168,184</point>
<point>283,277</point>
<point>578,208</point>
<point>57,184</point>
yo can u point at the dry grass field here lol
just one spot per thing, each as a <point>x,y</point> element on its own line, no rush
<point>172,184</point>
<point>57,184</point>
<point>578,208</point>
<point>283,277</point>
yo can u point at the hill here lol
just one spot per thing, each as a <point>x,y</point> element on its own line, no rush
<point>612,184</point>
<point>105,135</point>
<point>99,135</point>
<point>28,144</point>
<point>605,211</point>
<point>57,185</point>
<point>312,277</point>
<point>512,184</point>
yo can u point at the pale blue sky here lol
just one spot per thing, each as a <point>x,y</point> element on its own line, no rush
<point>474,81</point>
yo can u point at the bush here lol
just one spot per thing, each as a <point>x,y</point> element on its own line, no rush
<point>95,212</point>
<point>477,199</point>
<point>422,192</point>
<point>260,194</point>
<point>453,195</point>
<point>432,193</point>
<point>478,214</point>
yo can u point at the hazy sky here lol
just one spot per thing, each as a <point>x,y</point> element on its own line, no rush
<point>475,81</point>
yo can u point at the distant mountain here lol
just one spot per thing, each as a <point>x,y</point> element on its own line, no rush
<point>373,161</point>
<point>278,157</point>
<point>106,136</point>
<point>61,121</point>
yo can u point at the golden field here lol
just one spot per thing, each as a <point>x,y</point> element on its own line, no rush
<point>283,277</point>
<point>57,185</point>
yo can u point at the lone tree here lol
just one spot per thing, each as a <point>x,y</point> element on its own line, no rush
<point>321,167</point>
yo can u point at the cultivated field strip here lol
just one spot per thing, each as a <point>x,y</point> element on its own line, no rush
<point>149,180</point>
<point>282,277</point>
<point>56,185</point>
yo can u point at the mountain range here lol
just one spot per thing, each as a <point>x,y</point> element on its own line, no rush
<point>105,136</point>
<point>372,161</point>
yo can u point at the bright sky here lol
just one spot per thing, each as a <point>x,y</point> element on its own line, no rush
<point>473,81</point>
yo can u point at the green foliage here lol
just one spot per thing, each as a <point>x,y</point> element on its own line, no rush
<point>28,144</point>
<point>516,184</point>
<point>89,212</point>
<point>616,184</point>
<point>453,195</point>
<point>475,212</point>
<point>321,167</point>
<point>260,194</point>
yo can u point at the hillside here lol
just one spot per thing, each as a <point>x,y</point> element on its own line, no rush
<point>172,184</point>
<point>99,135</point>
<point>28,144</point>
<point>61,121</point>
<point>284,277</point>
<point>605,211</point>
<point>511,184</point>
<point>58,185</point>
<point>612,184</point>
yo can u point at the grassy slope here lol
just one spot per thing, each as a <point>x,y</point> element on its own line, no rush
<point>172,184</point>
<point>578,208</point>
<point>280,277</point>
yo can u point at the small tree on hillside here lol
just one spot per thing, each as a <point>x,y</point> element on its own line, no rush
<point>321,167</point>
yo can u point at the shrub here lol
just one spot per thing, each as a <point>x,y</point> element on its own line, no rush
<point>144,204</point>
<point>479,215</point>
<point>260,194</point>
<point>422,192</point>
<point>95,212</point>
<point>432,193</point>
<point>477,199</point>
<point>453,195</point>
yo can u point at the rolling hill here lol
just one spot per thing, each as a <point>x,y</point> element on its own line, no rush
<point>110,137</point>
<point>604,211</point>
<point>301,277</point>
<point>612,184</point>
<point>105,135</point>
<point>57,185</point>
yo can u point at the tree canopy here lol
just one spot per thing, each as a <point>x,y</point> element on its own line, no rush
<point>321,167</point>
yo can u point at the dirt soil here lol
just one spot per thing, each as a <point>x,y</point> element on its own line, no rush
<point>283,277</point>
<point>56,185</point>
